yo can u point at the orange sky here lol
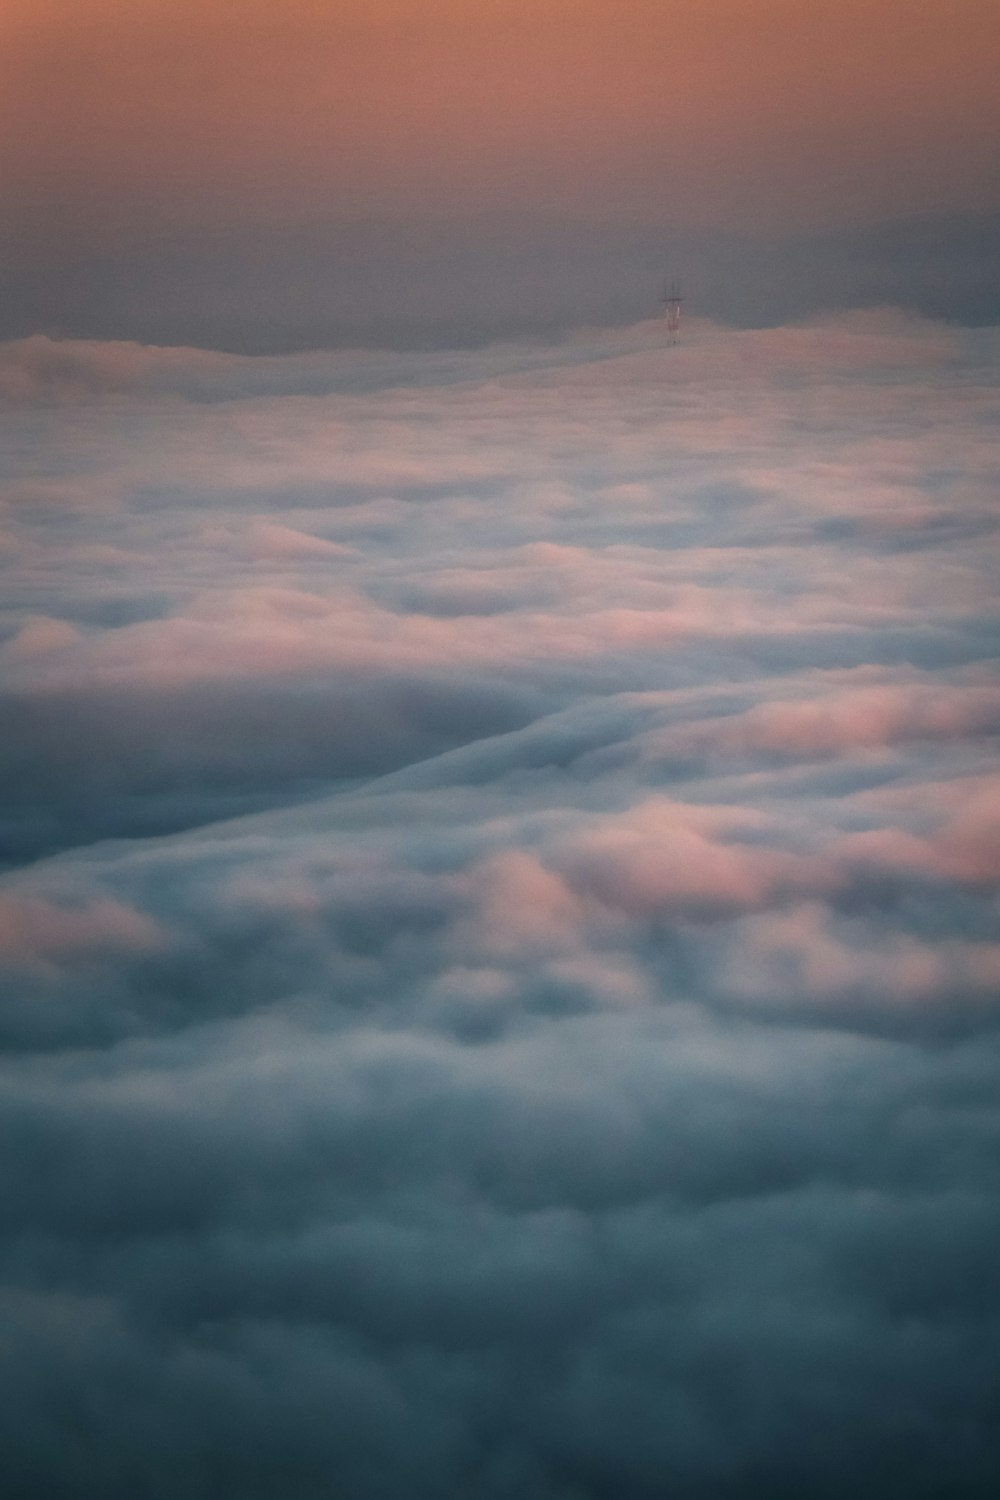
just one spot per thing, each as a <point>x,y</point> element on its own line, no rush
<point>732,113</point>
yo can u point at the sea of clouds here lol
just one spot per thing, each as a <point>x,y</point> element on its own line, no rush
<point>498,923</point>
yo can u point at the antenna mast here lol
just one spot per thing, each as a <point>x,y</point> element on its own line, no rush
<point>672,308</point>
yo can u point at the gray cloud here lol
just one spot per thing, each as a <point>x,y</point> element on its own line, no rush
<point>499,951</point>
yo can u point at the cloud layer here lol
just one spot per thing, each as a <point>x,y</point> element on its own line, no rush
<point>499,931</point>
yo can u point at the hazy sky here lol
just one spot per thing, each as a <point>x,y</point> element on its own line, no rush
<point>158,151</point>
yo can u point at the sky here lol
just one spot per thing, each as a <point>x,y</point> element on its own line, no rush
<point>499,809</point>
<point>431,172</point>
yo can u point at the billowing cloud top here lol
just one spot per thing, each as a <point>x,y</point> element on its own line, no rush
<point>499,925</point>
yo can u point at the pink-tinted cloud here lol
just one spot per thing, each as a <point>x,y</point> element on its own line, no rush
<point>662,858</point>
<point>37,930</point>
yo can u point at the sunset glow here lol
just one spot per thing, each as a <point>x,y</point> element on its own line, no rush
<point>499,776</point>
<point>729,111</point>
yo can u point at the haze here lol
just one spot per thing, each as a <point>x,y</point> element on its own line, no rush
<point>405,169</point>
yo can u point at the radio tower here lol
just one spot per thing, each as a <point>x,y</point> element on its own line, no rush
<point>672,309</point>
